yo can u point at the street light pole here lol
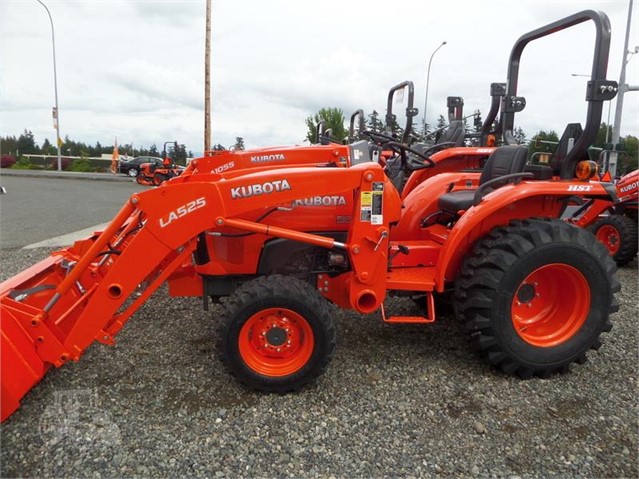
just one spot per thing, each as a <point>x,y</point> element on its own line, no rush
<point>428,81</point>
<point>623,88</point>
<point>55,87</point>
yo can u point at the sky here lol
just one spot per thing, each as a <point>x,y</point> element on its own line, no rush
<point>135,69</point>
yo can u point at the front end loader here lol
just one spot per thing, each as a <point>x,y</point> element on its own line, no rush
<point>282,243</point>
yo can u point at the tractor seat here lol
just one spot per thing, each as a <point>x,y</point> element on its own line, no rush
<point>506,161</point>
<point>454,133</point>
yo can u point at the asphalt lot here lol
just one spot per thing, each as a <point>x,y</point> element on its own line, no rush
<point>35,209</point>
<point>397,400</point>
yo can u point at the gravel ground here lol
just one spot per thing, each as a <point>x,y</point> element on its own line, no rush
<point>397,400</point>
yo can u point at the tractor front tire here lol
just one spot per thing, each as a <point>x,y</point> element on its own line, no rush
<point>276,334</point>
<point>618,233</point>
<point>536,295</point>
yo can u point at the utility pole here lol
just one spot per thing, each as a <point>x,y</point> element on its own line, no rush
<point>207,80</point>
<point>623,88</point>
<point>427,82</point>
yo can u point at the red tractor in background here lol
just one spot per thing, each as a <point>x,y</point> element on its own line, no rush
<point>283,242</point>
<point>152,175</point>
<point>617,227</point>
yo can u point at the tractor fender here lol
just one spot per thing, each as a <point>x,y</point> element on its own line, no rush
<point>422,201</point>
<point>531,199</point>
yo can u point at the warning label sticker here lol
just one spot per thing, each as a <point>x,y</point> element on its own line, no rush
<point>377,216</point>
<point>371,205</point>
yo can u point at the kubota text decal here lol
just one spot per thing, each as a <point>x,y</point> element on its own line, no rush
<point>321,201</point>
<point>263,158</point>
<point>259,189</point>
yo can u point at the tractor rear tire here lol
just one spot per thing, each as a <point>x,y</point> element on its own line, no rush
<point>276,334</point>
<point>618,233</point>
<point>159,178</point>
<point>536,295</point>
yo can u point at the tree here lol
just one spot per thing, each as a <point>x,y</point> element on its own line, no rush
<point>26,143</point>
<point>47,148</point>
<point>333,120</point>
<point>9,145</point>
<point>628,162</point>
<point>153,151</point>
<point>440,127</point>
<point>543,141</point>
<point>395,128</point>
<point>519,135</point>
<point>374,123</point>
<point>239,143</point>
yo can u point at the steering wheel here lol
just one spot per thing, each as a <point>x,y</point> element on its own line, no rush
<point>381,138</point>
<point>401,149</point>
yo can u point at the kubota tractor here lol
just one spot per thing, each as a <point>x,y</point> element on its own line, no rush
<point>615,224</point>
<point>281,243</point>
<point>153,175</point>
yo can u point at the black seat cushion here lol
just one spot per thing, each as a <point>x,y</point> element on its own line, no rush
<point>504,160</point>
<point>457,201</point>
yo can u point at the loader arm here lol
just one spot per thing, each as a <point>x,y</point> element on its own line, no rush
<point>53,311</point>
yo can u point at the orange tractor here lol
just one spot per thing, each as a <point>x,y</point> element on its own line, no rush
<point>154,175</point>
<point>283,242</point>
<point>615,223</point>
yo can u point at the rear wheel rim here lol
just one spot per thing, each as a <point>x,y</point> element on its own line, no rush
<point>133,172</point>
<point>276,342</point>
<point>610,237</point>
<point>551,305</point>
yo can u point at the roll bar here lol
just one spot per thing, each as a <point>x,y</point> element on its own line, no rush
<point>497,91</point>
<point>598,90</point>
<point>410,111</point>
<point>361,127</point>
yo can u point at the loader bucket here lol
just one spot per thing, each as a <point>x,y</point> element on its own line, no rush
<point>47,316</point>
<point>22,338</point>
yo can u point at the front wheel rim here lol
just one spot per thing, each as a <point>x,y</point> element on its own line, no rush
<point>276,342</point>
<point>610,237</point>
<point>551,305</point>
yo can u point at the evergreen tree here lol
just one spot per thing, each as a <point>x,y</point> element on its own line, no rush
<point>374,124</point>
<point>47,148</point>
<point>396,130</point>
<point>519,135</point>
<point>26,143</point>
